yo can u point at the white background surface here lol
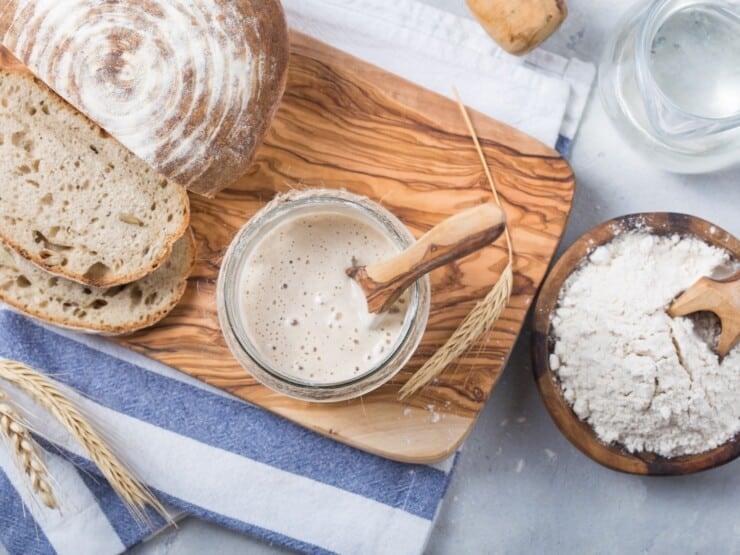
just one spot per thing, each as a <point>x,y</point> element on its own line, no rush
<point>508,495</point>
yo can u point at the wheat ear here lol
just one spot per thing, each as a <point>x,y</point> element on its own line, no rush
<point>44,391</point>
<point>484,314</point>
<point>26,452</point>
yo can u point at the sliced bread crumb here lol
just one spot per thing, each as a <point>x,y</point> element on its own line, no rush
<point>112,310</point>
<point>72,199</point>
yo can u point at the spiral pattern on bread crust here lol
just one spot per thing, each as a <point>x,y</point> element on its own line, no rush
<point>180,83</point>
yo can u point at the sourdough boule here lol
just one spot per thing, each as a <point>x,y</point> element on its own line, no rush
<point>189,86</point>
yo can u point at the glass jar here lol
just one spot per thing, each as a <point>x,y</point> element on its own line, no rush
<point>231,317</point>
<point>670,80</point>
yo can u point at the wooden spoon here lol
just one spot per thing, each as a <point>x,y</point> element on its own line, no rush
<point>455,237</point>
<point>721,296</point>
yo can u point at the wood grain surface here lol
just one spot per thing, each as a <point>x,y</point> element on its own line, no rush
<point>578,432</point>
<point>346,124</point>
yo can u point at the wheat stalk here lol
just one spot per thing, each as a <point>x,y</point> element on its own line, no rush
<point>484,314</point>
<point>26,452</point>
<point>44,391</point>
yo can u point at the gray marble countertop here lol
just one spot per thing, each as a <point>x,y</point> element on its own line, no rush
<point>520,487</point>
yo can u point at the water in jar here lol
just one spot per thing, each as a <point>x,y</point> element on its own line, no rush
<point>670,80</point>
<point>695,61</point>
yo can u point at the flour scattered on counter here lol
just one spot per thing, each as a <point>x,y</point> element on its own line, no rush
<point>520,466</point>
<point>435,414</point>
<point>407,411</point>
<point>639,377</point>
<point>521,420</point>
<point>504,423</point>
<point>551,455</point>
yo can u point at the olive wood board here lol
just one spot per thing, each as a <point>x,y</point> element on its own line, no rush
<point>344,123</point>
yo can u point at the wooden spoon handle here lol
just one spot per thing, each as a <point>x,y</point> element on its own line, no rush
<point>719,296</point>
<point>700,296</point>
<point>455,237</point>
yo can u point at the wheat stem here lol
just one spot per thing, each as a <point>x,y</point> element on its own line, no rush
<point>44,391</point>
<point>484,163</point>
<point>484,314</point>
<point>26,452</point>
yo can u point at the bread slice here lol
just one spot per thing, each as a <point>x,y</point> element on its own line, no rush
<point>113,310</point>
<point>72,199</point>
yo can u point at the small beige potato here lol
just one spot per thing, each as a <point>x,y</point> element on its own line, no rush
<point>519,26</point>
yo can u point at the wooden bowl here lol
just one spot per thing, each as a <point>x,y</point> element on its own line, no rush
<point>578,432</point>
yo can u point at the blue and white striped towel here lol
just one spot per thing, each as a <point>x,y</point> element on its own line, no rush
<point>209,455</point>
<point>204,453</point>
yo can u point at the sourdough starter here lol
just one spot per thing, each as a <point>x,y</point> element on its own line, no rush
<point>637,376</point>
<point>305,316</point>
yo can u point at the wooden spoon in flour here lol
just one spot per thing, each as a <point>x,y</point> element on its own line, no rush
<point>455,237</point>
<point>721,296</point>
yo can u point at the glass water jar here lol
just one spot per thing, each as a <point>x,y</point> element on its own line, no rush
<point>670,80</point>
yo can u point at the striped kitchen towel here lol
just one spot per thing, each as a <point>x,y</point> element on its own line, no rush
<point>209,455</point>
<point>204,453</point>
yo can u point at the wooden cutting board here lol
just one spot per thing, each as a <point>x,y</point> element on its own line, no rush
<point>345,123</point>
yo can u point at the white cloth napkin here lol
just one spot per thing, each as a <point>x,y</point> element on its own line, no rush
<point>214,457</point>
<point>542,94</point>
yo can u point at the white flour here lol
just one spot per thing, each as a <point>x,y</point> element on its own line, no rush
<point>636,375</point>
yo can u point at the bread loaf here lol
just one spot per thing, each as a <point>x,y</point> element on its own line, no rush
<point>72,199</point>
<point>190,86</point>
<point>115,310</point>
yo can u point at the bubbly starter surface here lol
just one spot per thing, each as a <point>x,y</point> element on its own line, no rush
<point>306,317</point>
